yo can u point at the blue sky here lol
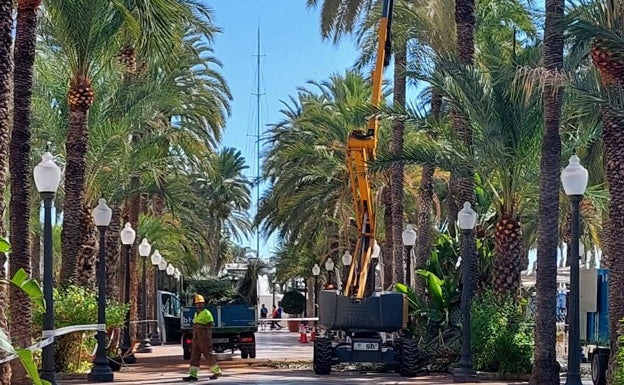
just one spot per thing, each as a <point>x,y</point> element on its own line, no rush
<point>293,54</point>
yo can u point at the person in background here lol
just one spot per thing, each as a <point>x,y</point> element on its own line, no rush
<point>263,316</point>
<point>202,341</point>
<point>275,314</point>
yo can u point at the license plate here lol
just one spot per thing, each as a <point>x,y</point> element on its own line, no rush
<point>367,346</point>
<point>220,340</point>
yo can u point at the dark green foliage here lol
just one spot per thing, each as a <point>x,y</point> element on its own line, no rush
<point>618,375</point>
<point>216,291</point>
<point>293,302</point>
<point>502,336</point>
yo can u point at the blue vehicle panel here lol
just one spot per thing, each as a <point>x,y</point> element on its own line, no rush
<point>226,316</point>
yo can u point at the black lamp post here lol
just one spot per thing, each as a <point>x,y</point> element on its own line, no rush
<point>101,372</point>
<point>47,177</point>
<point>155,259</point>
<point>329,266</point>
<point>372,272</point>
<point>347,259</point>
<point>162,266</point>
<point>574,179</point>
<point>170,270</point>
<point>316,270</point>
<point>144,346</point>
<point>127,238</point>
<point>409,240</point>
<point>466,219</point>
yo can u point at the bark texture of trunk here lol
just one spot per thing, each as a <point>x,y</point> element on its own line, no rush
<point>508,256</point>
<point>545,365</point>
<point>19,165</point>
<point>396,171</point>
<point>6,69</point>
<point>112,255</point>
<point>35,255</point>
<point>87,254</point>
<point>75,168</point>
<point>134,208</point>
<point>387,252</point>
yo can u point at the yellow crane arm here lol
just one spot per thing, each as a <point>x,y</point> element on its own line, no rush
<point>361,147</point>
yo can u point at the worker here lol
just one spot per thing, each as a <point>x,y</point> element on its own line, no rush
<point>202,341</point>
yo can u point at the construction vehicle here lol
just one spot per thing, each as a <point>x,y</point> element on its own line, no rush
<point>361,324</point>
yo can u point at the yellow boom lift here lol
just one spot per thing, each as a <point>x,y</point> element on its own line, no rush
<point>362,324</point>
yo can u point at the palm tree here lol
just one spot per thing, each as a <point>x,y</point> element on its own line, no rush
<point>6,69</point>
<point>545,365</point>
<point>19,163</point>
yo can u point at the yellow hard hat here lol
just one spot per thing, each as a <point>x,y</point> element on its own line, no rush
<point>199,298</point>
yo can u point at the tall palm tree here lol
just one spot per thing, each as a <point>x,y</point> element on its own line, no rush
<point>19,163</point>
<point>545,365</point>
<point>6,69</point>
<point>598,28</point>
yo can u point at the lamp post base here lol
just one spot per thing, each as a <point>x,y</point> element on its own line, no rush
<point>155,340</point>
<point>48,376</point>
<point>464,375</point>
<point>100,373</point>
<point>129,357</point>
<point>144,346</point>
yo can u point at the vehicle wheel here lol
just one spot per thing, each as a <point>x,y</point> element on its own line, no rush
<point>244,352</point>
<point>322,355</point>
<point>408,366</point>
<point>599,368</point>
<point>186,354</point>
<point>252,351</point>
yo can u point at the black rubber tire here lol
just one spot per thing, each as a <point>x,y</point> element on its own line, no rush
<point>408,365</point>
<point>252,351</point>
<point>244,352</point>
<point>322,355</point>
<point>186,354</point>
<point>599,368</point>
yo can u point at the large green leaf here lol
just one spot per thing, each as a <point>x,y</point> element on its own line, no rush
<point>5,246</point>
<point>5,343</point>
<point>31,287</point>
<point>415,303</point>
<point>26,356</point>
<point>435,289</point>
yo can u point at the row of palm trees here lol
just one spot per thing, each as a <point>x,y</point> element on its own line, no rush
<point>128,97</point>
<point>500,104</point>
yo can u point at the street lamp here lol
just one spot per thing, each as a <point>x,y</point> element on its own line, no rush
<point>47,177</point>
<point>155,259</point>
<point>574,179</point>
<point>127,238</point>
<point>101,372</point>
<point>347,259</point>
<point>162,266</point>
<point>373,267</point>
<point>177,275</point>
<point>466,219</point>
<point>316,270</point>
<point>329,266</point>
<point>170,270</point>
<point>144,251</point>
<point>409,241</point>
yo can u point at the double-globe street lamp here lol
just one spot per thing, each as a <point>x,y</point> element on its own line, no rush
<point>144,251</point>
<point>466,219</point>
<point>101,372</point>
<point>47,177</point>
<point>574,179</point>
<point>155,259</point>
<point>127,239</point>
<point>409,241</point>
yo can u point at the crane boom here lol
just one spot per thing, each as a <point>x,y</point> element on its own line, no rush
<point>361,148</point>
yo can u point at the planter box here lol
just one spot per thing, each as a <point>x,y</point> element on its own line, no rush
<point>293,326</point>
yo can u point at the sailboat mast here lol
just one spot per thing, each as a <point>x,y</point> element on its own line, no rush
<point>258,144</point>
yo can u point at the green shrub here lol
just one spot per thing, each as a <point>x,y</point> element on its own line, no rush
<point>293,302</point>
<point>76,305</point>
<point>502,337</point>
<point>618,375</point>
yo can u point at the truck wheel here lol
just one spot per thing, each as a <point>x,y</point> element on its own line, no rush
<point>322,355</point>
<point>599,368</point>
<point>408,366</point>
<point>244,352</point>
<point>252,351</point>
<point>186,354</point>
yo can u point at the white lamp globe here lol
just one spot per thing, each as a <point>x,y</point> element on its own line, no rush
<point>47,174</point>
<point>155,258</point>
<point>127,234</point>
<point>102,214</point>
<point>144,248</point>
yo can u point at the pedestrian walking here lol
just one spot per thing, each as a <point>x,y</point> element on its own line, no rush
<point>275,314</point>
<point>202,341</point>
<point>263,316</point>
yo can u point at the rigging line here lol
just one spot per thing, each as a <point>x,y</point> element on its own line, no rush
<point>258,95</point>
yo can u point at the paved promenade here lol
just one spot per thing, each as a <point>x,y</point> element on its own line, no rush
<point>166,366</point>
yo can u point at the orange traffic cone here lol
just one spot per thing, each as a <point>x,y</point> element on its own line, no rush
<point>312,333</point>
<point>303,336</point>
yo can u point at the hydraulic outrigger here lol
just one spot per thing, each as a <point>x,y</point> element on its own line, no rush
<point>362,325</point>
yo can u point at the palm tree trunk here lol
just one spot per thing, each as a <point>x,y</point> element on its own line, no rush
<point>424,223</point>
<point>35,255</point>
<point>386,248</point>
<point>75,169</point>
<point>19,163</point>
<point>613,138</point>
<point>508,256</point>
<point>85,272</point>
<point>396,171</point>
<point>112,255</point>
<point>134,207</point>
<point>545,365</point>
<point>6,68</point>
